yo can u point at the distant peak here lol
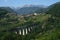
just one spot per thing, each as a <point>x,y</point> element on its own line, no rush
<point>33,5</point>
<point>27,5</point>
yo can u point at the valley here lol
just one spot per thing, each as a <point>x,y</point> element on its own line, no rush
<point>30,23</point>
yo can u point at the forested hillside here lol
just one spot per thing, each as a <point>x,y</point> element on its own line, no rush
<point>53,23</point>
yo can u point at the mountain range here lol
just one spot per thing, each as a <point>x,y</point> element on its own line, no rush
<point>26,9</point>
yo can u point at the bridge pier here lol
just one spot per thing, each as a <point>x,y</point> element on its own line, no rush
<point>24,31</point>
<point>20,32</point>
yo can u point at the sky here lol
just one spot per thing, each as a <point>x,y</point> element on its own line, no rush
<point>20,3</point>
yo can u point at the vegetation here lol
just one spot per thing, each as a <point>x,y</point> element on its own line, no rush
<point>47,25</point>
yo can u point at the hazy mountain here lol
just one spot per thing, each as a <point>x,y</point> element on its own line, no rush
<point>41,10</point>
<point>34,6</point>
<point>10,10</point>
<point>27,9</point>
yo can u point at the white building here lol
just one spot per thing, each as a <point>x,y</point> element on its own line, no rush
<point>35,14</point>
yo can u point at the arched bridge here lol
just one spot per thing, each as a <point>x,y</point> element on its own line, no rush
<point>24,30</point>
